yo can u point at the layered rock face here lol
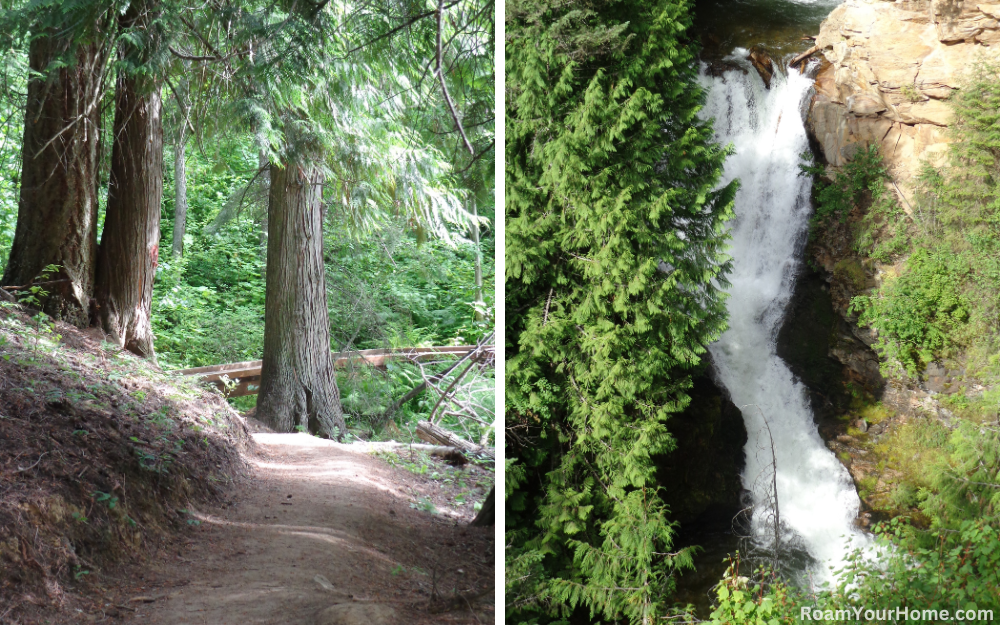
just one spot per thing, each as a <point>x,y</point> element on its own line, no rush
<point>891,68</point>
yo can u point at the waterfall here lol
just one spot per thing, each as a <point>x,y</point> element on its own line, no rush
<point>816,498</point>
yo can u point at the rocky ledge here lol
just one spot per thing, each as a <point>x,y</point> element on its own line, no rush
<point>889,70</point>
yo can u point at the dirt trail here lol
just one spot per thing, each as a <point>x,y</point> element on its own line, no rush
<point>314,508</point>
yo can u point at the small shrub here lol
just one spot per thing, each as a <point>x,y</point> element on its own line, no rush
<point>911,93</point>
<point>919,314</point>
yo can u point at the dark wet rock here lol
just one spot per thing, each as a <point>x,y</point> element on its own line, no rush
<point>718,67</point>
<point>703,472</point>
<point>761,61</point>
<point>703,486</point>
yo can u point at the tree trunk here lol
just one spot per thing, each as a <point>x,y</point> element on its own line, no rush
<point>297,386</point>
<point>265,177</point>
<point>180,188</point>
<point>487,515</point>
<point>130,243</point>
<point>57,208</point>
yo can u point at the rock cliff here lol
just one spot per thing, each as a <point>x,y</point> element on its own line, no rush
<point>889,70</point>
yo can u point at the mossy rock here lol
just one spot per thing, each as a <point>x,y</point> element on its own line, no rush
<point>851,273</point>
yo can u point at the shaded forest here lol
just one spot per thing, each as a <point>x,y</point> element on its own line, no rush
<point>147,151</point>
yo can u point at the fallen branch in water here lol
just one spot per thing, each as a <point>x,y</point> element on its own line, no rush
<point>805,55</point>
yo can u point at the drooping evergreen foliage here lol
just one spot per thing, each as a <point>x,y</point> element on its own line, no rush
<point>614,257</point>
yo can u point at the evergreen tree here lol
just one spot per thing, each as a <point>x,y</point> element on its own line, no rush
<point>130,242</point>
<point>614,257</point>
<point>68,53</point>
<point>337,140</point>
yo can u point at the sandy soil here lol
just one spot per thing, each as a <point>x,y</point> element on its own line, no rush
<point>315,508</point>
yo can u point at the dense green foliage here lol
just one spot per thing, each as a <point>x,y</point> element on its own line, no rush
<point>900,579</point>
<point>384,289</point>
<point>861,179</point>
<point>13,84</point>
<point>921,311</point>
<point>614,249</point>
<point>943,300</point>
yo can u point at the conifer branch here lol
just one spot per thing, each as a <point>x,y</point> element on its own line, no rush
<point>191,57</point>
<point>413,20</point>
<point>444,85</point>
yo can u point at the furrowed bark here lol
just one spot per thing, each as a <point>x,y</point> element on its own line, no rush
<point>266,181</point>
<point>130,243</point>
<point>297,387</point>
<point>57,207</point>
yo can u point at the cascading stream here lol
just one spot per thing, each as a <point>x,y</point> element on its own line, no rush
<point>816,497</point>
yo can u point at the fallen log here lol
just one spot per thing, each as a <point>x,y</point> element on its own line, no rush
<point>434,450</point>
<point>805,55</point>
<point>244,377</point>
<point>431,433</point>
<point>423,385</point>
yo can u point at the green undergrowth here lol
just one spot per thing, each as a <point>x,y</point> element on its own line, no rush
<point>459,489</point>
<point>367,394</point>
<point>102,457</point>
<point>385,288</point>
<point>939,301</point>
<point>898,574</point>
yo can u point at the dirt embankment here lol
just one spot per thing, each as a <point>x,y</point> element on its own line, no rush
<point>100,455</point>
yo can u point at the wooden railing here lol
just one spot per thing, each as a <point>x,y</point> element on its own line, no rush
<point>246,375</point>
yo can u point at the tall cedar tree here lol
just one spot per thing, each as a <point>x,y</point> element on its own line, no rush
<point>298,385</point>
<point>130,242</point>
<point>57,208</point>
<point>614,255</point>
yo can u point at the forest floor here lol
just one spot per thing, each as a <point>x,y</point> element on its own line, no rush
<point>322,535</point>
<point>130,496</point>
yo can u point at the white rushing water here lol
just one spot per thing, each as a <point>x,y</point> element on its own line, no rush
<point>816,497</point>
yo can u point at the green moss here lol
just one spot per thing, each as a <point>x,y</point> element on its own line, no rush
<point>875,413</point>
<point>850,271</point>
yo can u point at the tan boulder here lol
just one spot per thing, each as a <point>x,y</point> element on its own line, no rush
<point>928,112</point>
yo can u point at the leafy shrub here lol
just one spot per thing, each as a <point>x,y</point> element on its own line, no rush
<point>860,182</point>
<point>959,570</point>
<point>919,313</point>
